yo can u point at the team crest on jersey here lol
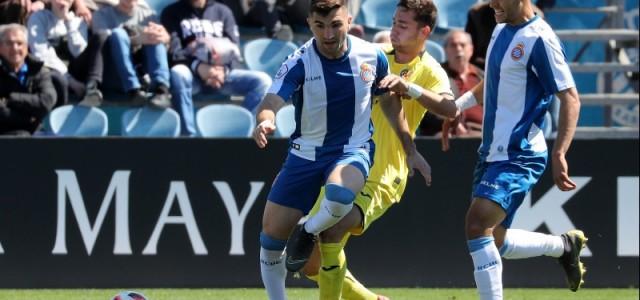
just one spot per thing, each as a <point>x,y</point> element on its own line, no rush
<point>517,52</point>
<point>282,71</point>
<point>405,73</point>
<point>367,72</point>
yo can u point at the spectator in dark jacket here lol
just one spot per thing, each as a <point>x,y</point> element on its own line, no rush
<point>205,57</point>
<point>26,93</point>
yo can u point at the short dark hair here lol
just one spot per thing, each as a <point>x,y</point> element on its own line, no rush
<point>426,11</point>
<point>324,7</point>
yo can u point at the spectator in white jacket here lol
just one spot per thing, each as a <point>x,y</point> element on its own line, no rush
<point>57,35</point>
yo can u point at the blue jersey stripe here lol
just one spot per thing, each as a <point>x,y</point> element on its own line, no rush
<point>493,68</point>
<point>540,60</point>
<point>340,103</point>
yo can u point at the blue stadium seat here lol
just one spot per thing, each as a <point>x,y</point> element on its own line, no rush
<point>150,122</point>
<point>159,5</point>
<point>224,120</point>
<point>267,55</point>
<point>285,121</point>
<point>435,50</point>
<point>453,13</point>
<point>74,120</point>
<point>376,14</point>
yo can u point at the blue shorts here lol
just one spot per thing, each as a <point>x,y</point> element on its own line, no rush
<point>507,182</point>
<point>299,181</point>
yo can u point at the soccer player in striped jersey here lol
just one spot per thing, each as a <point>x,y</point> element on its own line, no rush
<point>420,80</point>
<point>525,67</point>
<point>337,75</point>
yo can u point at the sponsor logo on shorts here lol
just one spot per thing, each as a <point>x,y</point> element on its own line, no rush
<point>494,186</point>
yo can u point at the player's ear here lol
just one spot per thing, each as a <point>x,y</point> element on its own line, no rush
<point>426,31</point>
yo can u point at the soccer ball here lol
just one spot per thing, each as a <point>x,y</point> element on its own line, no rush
<point>129,295</point>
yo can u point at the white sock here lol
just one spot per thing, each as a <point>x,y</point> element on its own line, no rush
<point>487,268</point>
<point>273,273</point>
<point>523,244</point>
<point>329,214</point>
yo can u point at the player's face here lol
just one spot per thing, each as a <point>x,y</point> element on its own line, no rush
<point>507,11</point>
<point>406,32</point>
<point>330,31</point>
<point>13,48</point>
<point>459,48</point>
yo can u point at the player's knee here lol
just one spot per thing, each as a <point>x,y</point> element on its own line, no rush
<point>271,243</point>
<point>338,193</point>
<point>475,229</point>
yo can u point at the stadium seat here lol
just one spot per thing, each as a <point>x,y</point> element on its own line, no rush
<point>285,121</point>
<point>267,55</point>
<point>453,13</point>
<point>159,5</point>
<point>435,50</point>
<point>376,14</point>
<point>224,120</point>
<point>74,120</point>
<point>150,122</point>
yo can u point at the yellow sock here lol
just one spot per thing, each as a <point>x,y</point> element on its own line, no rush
<point>332,271</point>
<point>352,289</point>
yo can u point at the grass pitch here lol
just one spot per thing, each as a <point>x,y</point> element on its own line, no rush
<point>304,294</point>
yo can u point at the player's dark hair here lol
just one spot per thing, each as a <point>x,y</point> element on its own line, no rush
<point>426,11</point>
<point>324,7</point>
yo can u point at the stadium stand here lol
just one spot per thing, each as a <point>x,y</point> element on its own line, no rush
<point>74,120</point>
<point>612,68</point>
<point>150,122</point>
<point>266,54</point>
<point>435,50</point>
<point>376,14</point>
<point>224,120</point>
<point>285,121</point>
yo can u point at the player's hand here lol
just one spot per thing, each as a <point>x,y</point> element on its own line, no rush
<point>448,127</point>
<point>417,161</point>
<point>561,173</point>
<point>261,131</point>
<point>395,84</point>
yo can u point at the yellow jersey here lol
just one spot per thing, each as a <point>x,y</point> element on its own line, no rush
<point>389,172</point>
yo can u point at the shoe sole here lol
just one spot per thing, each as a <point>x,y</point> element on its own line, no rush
<point>579,241</point>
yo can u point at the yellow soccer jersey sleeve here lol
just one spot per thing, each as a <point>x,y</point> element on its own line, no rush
<point>389,172</point>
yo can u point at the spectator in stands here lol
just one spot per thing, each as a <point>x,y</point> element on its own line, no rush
<point>480,24</point>
<point>26,93</point>
<point>136,37</point>
<point>205,56</point>
<point>269,14</point>
<point>57,34</point>
<point>462,75</point>
<point>382,37</point>
<point>17,11</point>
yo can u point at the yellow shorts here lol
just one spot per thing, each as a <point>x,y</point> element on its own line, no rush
<point>373,201</point>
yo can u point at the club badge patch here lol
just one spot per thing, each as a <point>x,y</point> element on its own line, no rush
<point>367,72</point>
<point>517,52</point>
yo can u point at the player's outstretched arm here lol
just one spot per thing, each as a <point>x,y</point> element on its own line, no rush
<point>441,104</point>
<point>265,118</point>
<point>392,107</point>
<point>567,122</point>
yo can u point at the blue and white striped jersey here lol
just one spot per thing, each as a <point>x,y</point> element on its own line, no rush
<point>333,113</point>
<point>526,66</point>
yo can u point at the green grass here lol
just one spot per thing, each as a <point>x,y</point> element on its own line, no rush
<point>250,294</point>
